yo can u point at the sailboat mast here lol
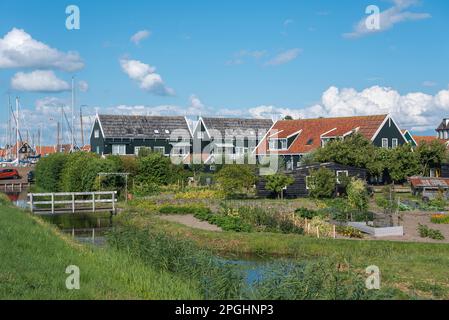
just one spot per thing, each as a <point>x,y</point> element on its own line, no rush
<point>9,128</point>
<point>81,124</point>
<point>73,115</point>
<point>17,129</point>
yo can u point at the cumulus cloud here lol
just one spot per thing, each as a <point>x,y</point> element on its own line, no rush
<point>146,76</point>
<point>38,81</point>
<point>417,111</point>
<point>195,102</point>
<point>139,36</point>
<point>19,50</point>
<point>284,57</point>
<point>388,19</point>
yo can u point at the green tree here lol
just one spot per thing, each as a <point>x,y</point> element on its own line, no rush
<point>236,179</point>
<point>354,150</point>
<point>403,163</point>
<point>322,183</point>
<point>278,182</point>
<point>80,173</point>
<point>431,155</point>
<point>48,172</point>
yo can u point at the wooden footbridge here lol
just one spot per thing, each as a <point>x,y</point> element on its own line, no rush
<point>73,202</point>
<point>14,187</point>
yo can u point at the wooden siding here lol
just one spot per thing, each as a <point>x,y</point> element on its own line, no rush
<point>298,188</point>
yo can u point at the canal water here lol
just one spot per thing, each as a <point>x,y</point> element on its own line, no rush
<point>85,228</point>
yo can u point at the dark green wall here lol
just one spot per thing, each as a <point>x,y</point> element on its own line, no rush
<point>389,131</point>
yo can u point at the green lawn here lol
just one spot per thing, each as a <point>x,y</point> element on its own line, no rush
<point>418,269</point>
<point>34,256</point>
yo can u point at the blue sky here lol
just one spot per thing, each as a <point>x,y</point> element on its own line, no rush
<point>230,58</point>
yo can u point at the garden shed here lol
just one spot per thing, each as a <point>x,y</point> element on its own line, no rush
<point>300,188</point>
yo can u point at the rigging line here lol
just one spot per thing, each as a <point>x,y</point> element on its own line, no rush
<point>70,128</point>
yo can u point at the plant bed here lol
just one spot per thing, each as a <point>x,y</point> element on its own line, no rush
<point>377,232</point>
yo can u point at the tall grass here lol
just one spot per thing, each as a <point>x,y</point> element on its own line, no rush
<point>217,280</point>
<point>34,257</point>
<point>220,279</point>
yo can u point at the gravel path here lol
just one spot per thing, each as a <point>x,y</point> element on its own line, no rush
<point>190,221</point>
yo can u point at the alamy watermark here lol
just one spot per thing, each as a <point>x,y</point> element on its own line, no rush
<point>372,22</point>
<point>72,282</point>
<point>372,282</point>
<point>72,21</point>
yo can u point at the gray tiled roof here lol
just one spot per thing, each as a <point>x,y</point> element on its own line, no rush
<point>237,125</point>
<point>124,126</point>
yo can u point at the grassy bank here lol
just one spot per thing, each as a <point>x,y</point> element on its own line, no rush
<point>34,256</point>
<point>417,269</point>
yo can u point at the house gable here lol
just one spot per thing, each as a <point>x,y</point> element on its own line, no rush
<point>389,131</point>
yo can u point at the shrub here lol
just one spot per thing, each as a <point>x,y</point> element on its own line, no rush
<point>142,189</point>
<point>48,172</point>
<point>153,169</point>
<point>277,183</point>
<point>440,218</point>
<point>236,179</point>
<point>350,232</point>
<point>322,183</point>
<point>306,213</point>
<point>357,195</point>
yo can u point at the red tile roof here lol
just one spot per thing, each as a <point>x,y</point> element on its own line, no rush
<point>428,139</point>
<point>312,130</point>
<point>45,150</point>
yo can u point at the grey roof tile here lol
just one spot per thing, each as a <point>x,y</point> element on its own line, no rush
<point>143,127</point>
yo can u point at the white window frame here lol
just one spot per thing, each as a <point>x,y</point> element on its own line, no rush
<point>159,149</point>
<point>394,142</point>
<point>97,134</point>
<point>339,172</point>
<point>307,182</point>
<point>274,144</point>
<point>121,151</point>
<point>98,149</point>
<point>385,143</point>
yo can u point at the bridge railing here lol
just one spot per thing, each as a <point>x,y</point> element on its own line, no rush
<point>72,202</point>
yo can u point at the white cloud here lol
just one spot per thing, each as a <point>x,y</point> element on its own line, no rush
<point>146,76</point>
<point>284,57</point>
<point>241,56</point>
<point>388,19</point>
<point>417,111</point>
<point>139,36</point>
<point>19,50</point>
<point>38,81</point>
<point>195,102</point>
<point>83,86</point>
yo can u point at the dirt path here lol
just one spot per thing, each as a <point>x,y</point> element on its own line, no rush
<point>411,221</point>
<point>190,221</point>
